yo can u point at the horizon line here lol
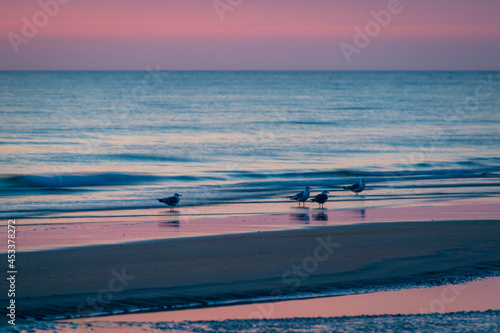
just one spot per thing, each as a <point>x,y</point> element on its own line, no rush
<point>250,70</point>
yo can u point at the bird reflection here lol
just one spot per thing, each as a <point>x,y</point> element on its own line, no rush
<point>170,224</point>
<point>304,218</point>
<point>320,217</point>
<point>362,213</point>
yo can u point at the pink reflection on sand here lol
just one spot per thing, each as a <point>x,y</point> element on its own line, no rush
<point>159,224</point>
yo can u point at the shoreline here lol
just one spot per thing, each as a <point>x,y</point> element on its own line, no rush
<point>199,271</point>
<point>476,295</point>
<point>461,321</point>
<point>473,321</point>
<point>66,232</point>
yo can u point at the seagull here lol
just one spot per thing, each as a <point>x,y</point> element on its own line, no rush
<point>171,201</point>
<point>321,198</point>
<point>302,196</point>
<point>358,187</point>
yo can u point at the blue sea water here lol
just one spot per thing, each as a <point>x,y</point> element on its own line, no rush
<point>76,141</point>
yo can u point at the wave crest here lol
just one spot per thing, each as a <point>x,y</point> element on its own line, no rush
<point>75,180</point>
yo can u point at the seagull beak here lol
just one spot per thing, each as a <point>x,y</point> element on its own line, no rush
<point>180,195</point>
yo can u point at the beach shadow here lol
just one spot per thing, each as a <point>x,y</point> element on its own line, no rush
<point>170,212</point>
<point>301,208</point>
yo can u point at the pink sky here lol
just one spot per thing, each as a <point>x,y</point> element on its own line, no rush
<point>254,35</point>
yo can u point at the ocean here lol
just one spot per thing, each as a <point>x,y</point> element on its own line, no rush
<point>108,141</point>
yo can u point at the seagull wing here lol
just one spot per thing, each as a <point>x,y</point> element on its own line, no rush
<point>298,196</point>
<point>171,200</point>
<point>354,186</point>
<point>321,198</point>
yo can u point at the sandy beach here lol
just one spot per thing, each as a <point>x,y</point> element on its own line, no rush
<point>236,268</point>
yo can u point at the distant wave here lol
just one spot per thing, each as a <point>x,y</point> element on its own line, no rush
<point>75,180</point>
<point>78,180</point>
<point>37,143</point>
<point>427,173</point>
<point>297,122</point>
<point>481,161</point>
<point>87,180</point>
<point>147,157</point>
<point>356,108</point>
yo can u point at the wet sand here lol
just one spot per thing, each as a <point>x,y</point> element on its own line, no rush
<point>95,228</point>
<point>202,271</point>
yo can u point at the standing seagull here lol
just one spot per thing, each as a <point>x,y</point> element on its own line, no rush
<point>171,201</point>
<point>302,196</point>
<point>357,188</point>
<point>321,198</point>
